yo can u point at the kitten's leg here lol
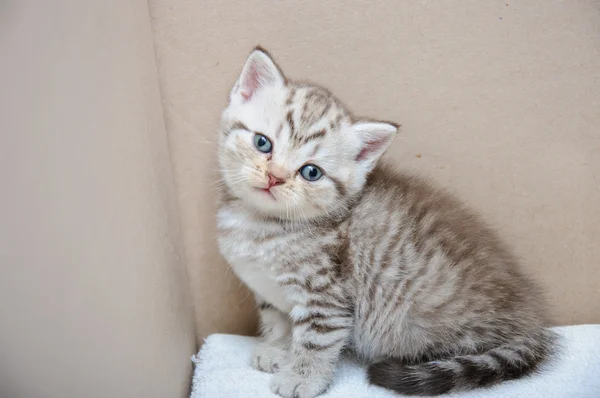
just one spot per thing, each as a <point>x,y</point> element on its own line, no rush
<point>321,327</point>
<point>272,353</point>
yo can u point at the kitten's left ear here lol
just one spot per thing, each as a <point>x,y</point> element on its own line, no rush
<point>375,138</point>
<point>259,71</point>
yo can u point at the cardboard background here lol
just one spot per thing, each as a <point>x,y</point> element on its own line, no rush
<point>501,100</point>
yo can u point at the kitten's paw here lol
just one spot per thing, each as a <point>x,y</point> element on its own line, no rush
<point>269,358</point>
<point>292,385</point>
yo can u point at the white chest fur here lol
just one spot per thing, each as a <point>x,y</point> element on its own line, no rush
<point>262,284</point>
<point>252,259</point>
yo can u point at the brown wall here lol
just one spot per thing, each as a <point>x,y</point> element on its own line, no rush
<point>500,100</point>
<point>93,295</point>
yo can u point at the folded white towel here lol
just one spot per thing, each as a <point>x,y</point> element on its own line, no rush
<point>223,371</point>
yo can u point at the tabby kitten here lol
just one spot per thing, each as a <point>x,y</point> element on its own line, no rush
<point>344,254</point>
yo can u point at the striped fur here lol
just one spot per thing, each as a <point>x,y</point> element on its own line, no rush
<point>364,259</point>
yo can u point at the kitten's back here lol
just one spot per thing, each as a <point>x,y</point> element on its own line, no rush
<point>434,282</point>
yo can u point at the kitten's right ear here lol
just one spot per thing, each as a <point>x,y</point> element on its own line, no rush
<point>259,71</point>
<point>375,139</point>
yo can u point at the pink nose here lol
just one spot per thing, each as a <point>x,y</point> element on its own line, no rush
<point>273,180</point>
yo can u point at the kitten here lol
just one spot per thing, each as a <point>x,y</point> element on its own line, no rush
<point>344,254</point>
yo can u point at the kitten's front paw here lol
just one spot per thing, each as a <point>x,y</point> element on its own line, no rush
<point>292,385</point>
<point>269,358</point>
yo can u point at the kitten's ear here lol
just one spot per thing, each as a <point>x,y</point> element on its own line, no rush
<point>259,71</point>
<point>375,138</point>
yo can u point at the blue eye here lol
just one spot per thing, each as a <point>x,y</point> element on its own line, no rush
<point>310,172</point>
<point>262,143</point>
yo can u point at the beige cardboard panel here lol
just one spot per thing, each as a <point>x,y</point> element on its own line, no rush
<point>93,294</point>
<point>498,102</point>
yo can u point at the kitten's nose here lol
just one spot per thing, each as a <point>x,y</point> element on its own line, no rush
<point>274,180</point>
<point>277,174</point>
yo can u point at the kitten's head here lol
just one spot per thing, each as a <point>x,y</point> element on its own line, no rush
<point>292,150</point>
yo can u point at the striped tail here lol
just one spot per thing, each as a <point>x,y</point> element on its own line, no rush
<point>506,362</point>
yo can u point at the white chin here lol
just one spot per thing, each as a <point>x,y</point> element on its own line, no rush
<point>267,202</point>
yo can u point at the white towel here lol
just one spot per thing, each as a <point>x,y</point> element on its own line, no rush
<point>223,371</point>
